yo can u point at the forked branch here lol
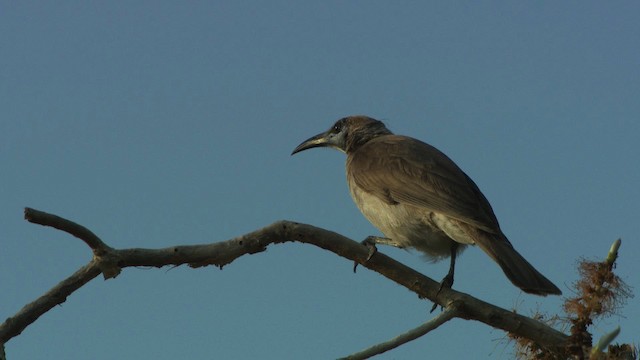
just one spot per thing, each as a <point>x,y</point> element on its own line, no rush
<point>109,262</point>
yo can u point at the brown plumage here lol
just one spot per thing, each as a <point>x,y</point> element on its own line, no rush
<point>420,198</point>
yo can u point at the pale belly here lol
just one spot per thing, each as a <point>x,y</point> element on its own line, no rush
<point>411,227</point>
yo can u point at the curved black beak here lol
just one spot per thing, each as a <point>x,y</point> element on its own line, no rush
<point>320,140</point>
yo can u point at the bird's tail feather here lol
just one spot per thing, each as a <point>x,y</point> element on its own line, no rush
<point>521,273</point>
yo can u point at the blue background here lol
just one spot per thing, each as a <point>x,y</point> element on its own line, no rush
<point>158,123</point>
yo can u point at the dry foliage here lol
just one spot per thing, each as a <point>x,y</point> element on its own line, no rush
<point>599,293</point>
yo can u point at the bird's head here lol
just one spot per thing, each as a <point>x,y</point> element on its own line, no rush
<point>346,135</point>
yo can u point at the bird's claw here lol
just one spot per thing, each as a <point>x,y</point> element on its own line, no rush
<point>446,282</point>
<point>370,243</point>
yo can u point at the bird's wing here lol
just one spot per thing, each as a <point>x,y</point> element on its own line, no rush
<point>400,169</point>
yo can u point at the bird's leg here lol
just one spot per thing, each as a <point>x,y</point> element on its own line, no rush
<point>447,281</point>
<point>371,241</point>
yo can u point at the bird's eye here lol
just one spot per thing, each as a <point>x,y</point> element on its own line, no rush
<point>337,127</point>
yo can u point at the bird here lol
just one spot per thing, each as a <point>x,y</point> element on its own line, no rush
<point>419,198</point>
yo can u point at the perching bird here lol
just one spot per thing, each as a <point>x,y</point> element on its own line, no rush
<point>419,198</point>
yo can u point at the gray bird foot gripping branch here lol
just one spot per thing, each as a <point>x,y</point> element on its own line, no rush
<point>371,241</point>
<point>446,282</point>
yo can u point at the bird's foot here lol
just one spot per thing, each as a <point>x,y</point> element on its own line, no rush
<point>370,242</point>
<point>446,282</point>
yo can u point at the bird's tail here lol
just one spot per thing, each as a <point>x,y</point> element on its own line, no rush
<point>518,270</point>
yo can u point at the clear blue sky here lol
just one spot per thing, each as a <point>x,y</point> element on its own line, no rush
<point>160,123</point>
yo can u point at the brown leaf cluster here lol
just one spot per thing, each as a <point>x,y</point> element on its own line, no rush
<point>599,293</point>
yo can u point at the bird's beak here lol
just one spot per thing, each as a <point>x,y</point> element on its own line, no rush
<point>320,140</point>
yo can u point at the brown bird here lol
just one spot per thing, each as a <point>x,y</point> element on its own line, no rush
<point>419,198</point>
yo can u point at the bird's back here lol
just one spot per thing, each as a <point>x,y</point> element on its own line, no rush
<point>402,170</point>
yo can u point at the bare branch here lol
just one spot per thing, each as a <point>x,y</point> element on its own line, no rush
<point>79,231</point>
<point>109,261</point>
<point>449,313</point>
<point>14,325</point>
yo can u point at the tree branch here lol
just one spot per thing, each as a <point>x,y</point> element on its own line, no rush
<point>110,261</point>
<point>79,231</point>
<point>447,314</point>
<point>14,325</point>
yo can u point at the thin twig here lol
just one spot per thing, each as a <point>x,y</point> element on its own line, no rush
<point>447,314</point>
